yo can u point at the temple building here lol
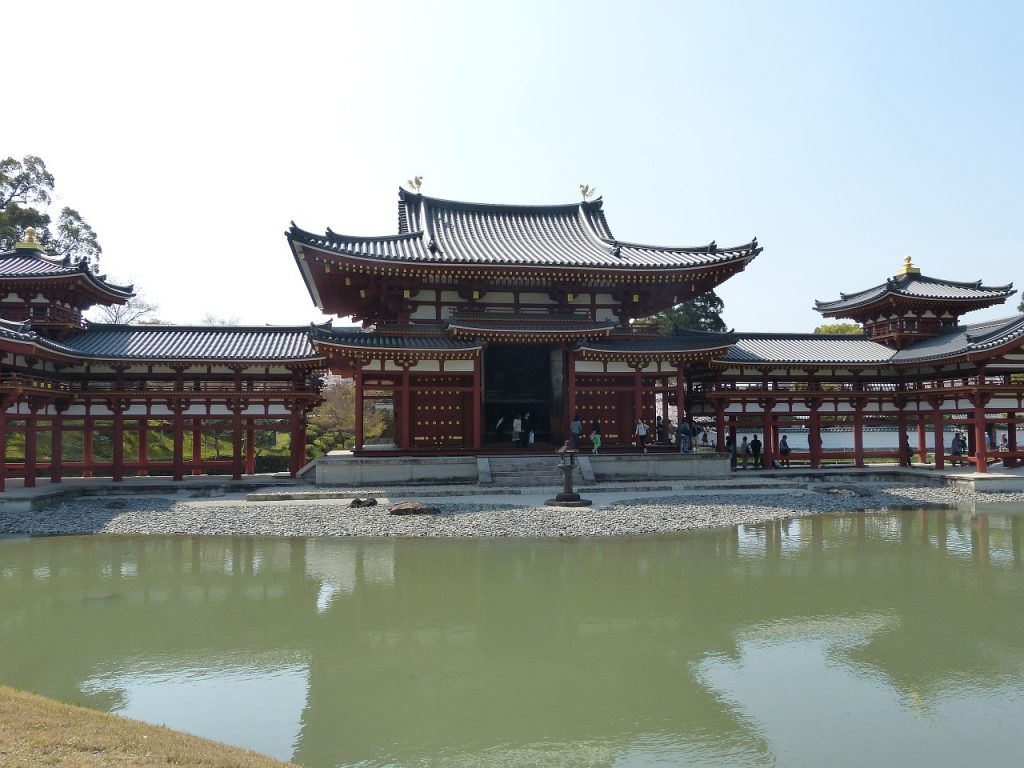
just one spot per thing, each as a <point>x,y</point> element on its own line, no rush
<point>473,312</point>
<point>472,315</point>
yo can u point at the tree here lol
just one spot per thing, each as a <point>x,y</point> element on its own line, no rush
<point>703,313</point>
<point>25,194</point>
<point>1020,307</point>
<point>211,319</point>
<point>847,329</point>
<point>135,310</point>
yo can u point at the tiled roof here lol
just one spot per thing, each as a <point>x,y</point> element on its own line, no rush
<point>577,235</point>
<point>357,337</point>
<point>510,322</point>
<point>916,286</point>
<point>805,348</point>
<point>29,263</point>
<point>19,331</point>
<point>687,341</point>
<point>964,340</point>
<point>183,342</point>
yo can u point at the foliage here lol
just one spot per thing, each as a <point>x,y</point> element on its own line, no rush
<point>211,319</point>
<point>25,194</point>
<point>703,313</point>
<point>848,329</point>
<point>332,423</point>
<point>1020,307</point>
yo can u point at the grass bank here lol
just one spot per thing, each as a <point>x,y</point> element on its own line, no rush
<point>39,731</point>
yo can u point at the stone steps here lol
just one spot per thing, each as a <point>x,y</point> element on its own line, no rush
<point>527,471</point>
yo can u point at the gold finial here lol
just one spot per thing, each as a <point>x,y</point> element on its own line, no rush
<point>30,242</point>
<point>908,268</point>
<point>587,191</point>
<point>416,182</point>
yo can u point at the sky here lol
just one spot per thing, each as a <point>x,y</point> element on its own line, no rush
<point>845,136</point>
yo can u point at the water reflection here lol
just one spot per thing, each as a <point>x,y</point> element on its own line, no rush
<point>779,643</point>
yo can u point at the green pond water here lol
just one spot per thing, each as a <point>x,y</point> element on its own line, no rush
<point>893,639</point>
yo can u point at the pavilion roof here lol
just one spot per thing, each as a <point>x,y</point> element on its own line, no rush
<point>32,264</point>
<point>493,324</point>
<point>914,287</point>
<point>434,231</point>
<point>192,343</point>
<point>964,340</point>
<point>359,338</point>
<point>796,348</point>
<point>686,344</point>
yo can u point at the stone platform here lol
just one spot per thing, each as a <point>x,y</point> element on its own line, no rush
<point>345,468</point>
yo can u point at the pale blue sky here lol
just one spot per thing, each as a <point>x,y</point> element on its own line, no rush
<point>843,135</point>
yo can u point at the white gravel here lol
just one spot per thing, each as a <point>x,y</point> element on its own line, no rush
<point>465,517</point>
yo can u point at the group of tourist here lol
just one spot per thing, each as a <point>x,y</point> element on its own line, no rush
<point>522,430</point>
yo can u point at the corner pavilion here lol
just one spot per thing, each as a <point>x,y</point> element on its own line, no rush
<point>475,312</point>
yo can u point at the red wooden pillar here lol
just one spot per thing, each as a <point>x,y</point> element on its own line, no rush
<point>250,449</point>
<point>720,427</point>
<point>901,428</point>
<point>197,446</point>
<point>143,470</point>
<point>297,449</point>
<point>31,435</point>
<point>940,448</point>
<point>1011,438</point>
<point>178,451</point>
<point>980,439</point>
<point>638,399</point>
<point>404,422</point>
<point>766,427</point>
<point>236,440</point>
<point>87,455</point>
<point>858,434</point>
<point>922,439</point>
<point>358,376</point>
<point>681,392</point>
<point>3,443</point>
<point>56,447</point>
<point>570,399</point>
<point>118,447</point>
<point>814,435</point>
<point>478,426</point>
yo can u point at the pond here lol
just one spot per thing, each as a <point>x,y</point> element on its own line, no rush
<point>843,641</point>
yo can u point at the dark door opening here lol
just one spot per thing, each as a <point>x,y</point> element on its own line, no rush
<point>517,380</point>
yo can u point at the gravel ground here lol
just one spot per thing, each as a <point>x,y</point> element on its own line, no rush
<point>675,511</point>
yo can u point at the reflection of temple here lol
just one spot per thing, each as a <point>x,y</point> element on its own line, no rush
<point>458,645</point>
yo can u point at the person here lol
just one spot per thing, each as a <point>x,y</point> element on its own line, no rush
<point>575,430</point>
<point>659,431</point>
<point>990,441</point>
<point>744,451</point>
<point>517,429</point>
<point>641,435</point>
<point>524,435</point>
<point>755,451</point>
<point>704,438</point>
<point>956,450</point>
<point>684,436</point>
<point>784,450</point>
<point>595,435</point>
<point>905,450</point>
<point>1004,444</point>
<point>730,447</point>
<point>499,428</point>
